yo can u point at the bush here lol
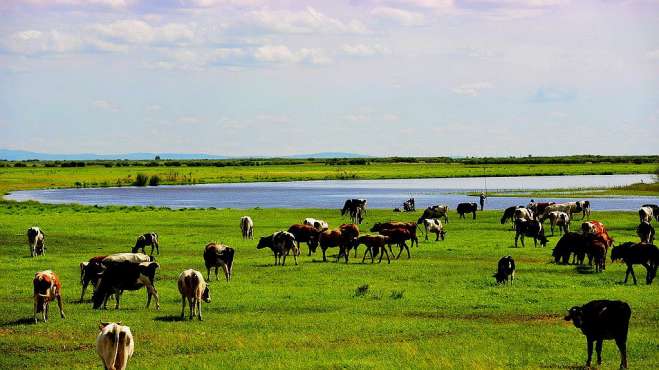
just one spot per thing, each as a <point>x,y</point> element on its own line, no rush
<point>19,164</point>
<point>141,180</point>
<point>154,180</point>
<point>361,290</point>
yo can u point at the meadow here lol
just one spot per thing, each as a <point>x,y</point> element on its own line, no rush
<point>98,175</point>
<point>439,309</point>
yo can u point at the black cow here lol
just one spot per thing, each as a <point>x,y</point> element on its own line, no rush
<point>532,229</point>
<point>645,231</point>
<point>90,272</point>
<point>603,319</point>
<point>434,212</point>
<point>637,254</point>
<point>281,243</point>
<point>571,243</point>
<point>126,276</point>
<point>144,240</point>
<point>508,214</point>
<point>218,255</point>
<point>505,270</point>
<point>355,208</point>
<point>467,208</point>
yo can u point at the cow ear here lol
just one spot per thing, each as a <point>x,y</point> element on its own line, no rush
<point>102,324</point>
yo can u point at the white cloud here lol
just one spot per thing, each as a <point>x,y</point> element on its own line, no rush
<point>308,21</point>
<point>105,105</point>
<point>361,50</point>
<point>400,16</point>
<point>282,54</point>
<point>133,31</point>
<point>116,4</point>
<point>472,89</point>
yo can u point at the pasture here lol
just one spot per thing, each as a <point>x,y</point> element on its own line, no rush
<point>440,309</point>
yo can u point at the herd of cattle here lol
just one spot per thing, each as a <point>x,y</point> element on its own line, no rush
<point>111,275</point>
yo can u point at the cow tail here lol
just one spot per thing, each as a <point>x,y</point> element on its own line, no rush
<point>115,351</point>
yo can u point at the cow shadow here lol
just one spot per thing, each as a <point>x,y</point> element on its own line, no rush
<point>170,318</point>
<point>585,269</point>
<point>23,321</point>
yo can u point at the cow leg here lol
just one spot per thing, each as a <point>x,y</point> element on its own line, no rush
<point>36,306</point>
<point>368,250</point>
<point>324,257</point>
<point>191,303</point>
<point>227,273</point>
<point>59,304</point>
<point>516,237</point>
<point>384,251</point>
<point>590,352</point>
<point>426,234</point>
<point>208,273</point>
<point>295,257</point>
<point>621,342</point>
<point>199,309</point>
<point>598,348</point>
<point>408,251</point>
<point>474,214</point>
<point>216,278</point>
<point>84,289</point>
<point>117,297</point>
<point>401,250</point>
<point>437,236</point>
<point>45,311</point>
<point>552,229</point>
<point>630,269</point>
<point>390,251</point>
<point>182,307</point>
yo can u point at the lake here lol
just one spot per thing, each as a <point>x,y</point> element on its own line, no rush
<point>332,193</point>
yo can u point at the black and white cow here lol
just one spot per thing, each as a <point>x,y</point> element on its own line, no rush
<point>645,232</point>
<point>126,276</point>
<point>355,208</point>
<point>505,270</point>
<point>218,255</point>
<point>532,229</point>
<point>36,241</point>
<point>147,239</point>
<point>437,211</point>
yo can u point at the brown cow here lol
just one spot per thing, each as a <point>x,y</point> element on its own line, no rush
<point>374,244</point>
<point>349,232</point>
<point>409,226</point>
<point>218,255</point>
<point>47,287</point>
<point>305,234</point>
<point>398,236</point>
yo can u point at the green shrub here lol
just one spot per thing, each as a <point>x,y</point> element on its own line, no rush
<point>154,180</point>
<point>141,180</point>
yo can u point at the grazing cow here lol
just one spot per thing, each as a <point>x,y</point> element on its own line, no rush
<point>597,229</point>
<point>571,243</point>
<point>305,234</point>
<point>538,208</point>
<point>247,227</point>
<point>433,225</point>
<point>532,229</point>
<point>47,287</point>
<point>409,205</point>
<point>194,289</point>
<point>599,320</point>
<point>655,210</point>
<point>126,276</point>
<point>218,255</point>
<point>349,232</point>
<point>90,272</point>
<point>398,236</point>
<point>584,206</point>
<point>319,225</point>
<point>144,240</point>
<point>281,243</point>
<point>114,345</point>
<point>467,208</point>
<point>646,214</point>
<point>36,241</point>
<point>409,226</point>
<point>438,211</point>
<point>645,232</point>
<point>597,249</point>
<point>356,208</point>
<point>374,244</point>
<point>505,270</point>
<point>508,214</point>
<point>637,254</point>
<point>560,219</point>
<point>523,214</point>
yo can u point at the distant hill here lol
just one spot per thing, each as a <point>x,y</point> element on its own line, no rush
<point>22,155</point>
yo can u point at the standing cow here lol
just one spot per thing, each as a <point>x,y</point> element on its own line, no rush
<point>247,227</point>
<point>532,229</point>
<point>305,234</point>
<point>645,232</point>
<point>437,211</point>
<point>90,272</point>
<point>36,241</point>
<point>194,289</point>
<point>218,255</point>
<point>584,206</point>
<point>126,275</point>
<point>281,243</point>
<point>560,219</point>
<point>47,287</point>
<point>356,208</point>
<point>505,270</point>
<point>114,345</point>
<point>148,239</point>
<point>433,225</point>
<point>464,208</point>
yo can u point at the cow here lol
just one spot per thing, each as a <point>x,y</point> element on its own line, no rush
<point>409,205</point>
<point>409,226</point>
<point>36,241</point>
<point>398,236</point>
<point>433,225</point>
<point>532,229</point>
<point>600,320</point>
<point>645,214</point>
<point>538,208</point>
<point>114,345</point>
<point>508,214</point>
<point>126,257</point>
<point>645,232</point>
<point>348,233</point>
<point>47,287</point>
<point>194,289</point>
<point>247,227</point>
<point>523,214</point>
<point>505,270</point>
<point>305,234</point>
<point>597,250</point>
<point>90,272</point>
<point>218,255</point>
<point>571,243</point>
<point>144,240</point>
<point>319,225</point>
<point>281,243</point>
<point>637,254</point>
<point>569,208</point>
<point>332,239</point>
<point>126,275</point>
<point>655,210</point>
<point>560,219</point>
<point>597,229</point>
<point>355,208</point>
<point>438,211</point>
<point>467,208</point>
<point>375,244</point>
<point>584,206</point>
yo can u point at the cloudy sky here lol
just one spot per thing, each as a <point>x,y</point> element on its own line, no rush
<point>379,77</point>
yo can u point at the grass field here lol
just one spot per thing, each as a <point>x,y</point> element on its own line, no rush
<point>43,177</point>
<point>440,309</point>
<point>641,189</point>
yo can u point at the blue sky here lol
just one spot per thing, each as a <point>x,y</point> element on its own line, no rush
<point>379,77</point>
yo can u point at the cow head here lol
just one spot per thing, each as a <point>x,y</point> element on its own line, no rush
<point>378,226</point>
<point>442,233</point>
<point>264,242</point>
<point>206,295</point>
<point>576,315</point>
<point>83,267</point>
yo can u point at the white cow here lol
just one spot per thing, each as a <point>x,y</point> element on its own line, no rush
<point>194,289</point>
<point>523,214</point>
<point>569,208</point>
<point>247,227</point>
<point>114,345</point>
<point>434,225</point>
<point>122,257</point>
<point>560,219</point>
<point>319,225</point>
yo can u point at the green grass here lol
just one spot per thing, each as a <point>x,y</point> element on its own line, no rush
<point>440,309</point>
<point>638,189</point>
<point>95,176</point>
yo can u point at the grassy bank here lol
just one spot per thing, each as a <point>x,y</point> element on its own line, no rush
<point>639,189</point>
<point>440,309</point>
<point>22,178</point>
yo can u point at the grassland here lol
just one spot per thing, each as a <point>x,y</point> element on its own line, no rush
<point>638,189</point>
<point>440,309</point>
<point>24,178</point>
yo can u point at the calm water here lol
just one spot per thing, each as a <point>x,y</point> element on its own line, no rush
<point>331,194</point>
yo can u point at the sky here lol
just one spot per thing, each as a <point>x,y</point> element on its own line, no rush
<point>376,77</point>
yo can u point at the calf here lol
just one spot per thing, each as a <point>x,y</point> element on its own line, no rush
<point>90,272</point>
<point>47,287</point>
<point>218,255</point>
<point>114,345</point>
<point>349,232</point>
<point>645,232</point>
<point>560,219</point>
<point>280,243</point>
<point>374,244</point>
<point>144,240</point>
<point>194,289</point>
<point>398,236</point>
<point>247,227</point>
<point>438,211</point>
<point>637,254</point>
<point>600,320</point>
<point>409,226</point>
<point>505,270</point>
<point>532,229</point>
<point>126,276</point>
<point>305,234</point>
<point>464,208</point>
<point>597,249</point>
<point>434,225</point>
<point>319,225</point>
<point>36,241</point>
